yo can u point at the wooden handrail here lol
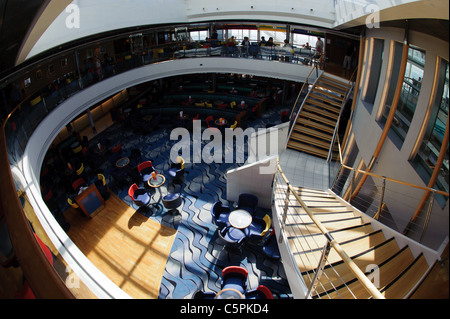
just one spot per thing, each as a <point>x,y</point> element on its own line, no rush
<point>41,276</point>
<point>435,174</point>
<point>367,284</point>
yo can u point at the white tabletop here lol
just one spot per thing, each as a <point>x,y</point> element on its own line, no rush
<point>240,218</point>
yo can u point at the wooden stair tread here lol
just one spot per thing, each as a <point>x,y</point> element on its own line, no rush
<point>318,118</point>
<point>332,94</point>
<point>309,260</point>
<point>331,108</point>
<point>318,96</point>
<point>334,81</point>
<point>305,130</point>
<point>316,125</point>
<point>400,287</point>
<point>318,110</point>
<point>331,86</point>
<point>308,227</point>
<point>338,274</point>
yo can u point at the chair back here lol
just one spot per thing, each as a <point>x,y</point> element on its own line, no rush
<point>248,200</point>
<point>71,203</point>
<point>268,221</point>
<point>131,190</point>
<point>180,161</point>
<point>232,270</point>
<point>234,125</point>
<point>265,291</point>
<point>143,165</point>
<point>78,183</point>
<point>102,178</point>
<point>116,148</point>
<point>80,170</point>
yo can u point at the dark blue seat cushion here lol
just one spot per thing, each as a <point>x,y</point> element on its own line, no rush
<point>234,282</point>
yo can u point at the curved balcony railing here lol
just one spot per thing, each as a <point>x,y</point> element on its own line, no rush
<point>24,109</point>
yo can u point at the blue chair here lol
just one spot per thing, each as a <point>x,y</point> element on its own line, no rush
<point>204,295</point>
<point>233,237</point>
<point>234,277</point>
<point>248,202</point>
<point>172,201</point>
<point>145,169</point>
<point>270,247</point>
<point>176,170</point>
<point>220,214</point>
<point>139,195</point>
<point>259,227</point>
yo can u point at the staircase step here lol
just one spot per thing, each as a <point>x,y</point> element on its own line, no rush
<point>333,95</point>
<point>317,96</point>
<point>306,130</point>
<point>307,122</point>
<point>401,286</point>
<point>332,86</point>
<point>307,261</point>
<point>318,118</point>
<point>338,277</point>
<point>335,85</point>
<point>310,228</point>
<point>319,111</point>
<point>307,148</point>
<point>328,107</point>
<point>335,81</point>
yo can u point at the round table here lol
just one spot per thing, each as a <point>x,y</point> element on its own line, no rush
<point>229,293</point>
<point>156,183</point>
<point>223,123</point>
<point>240,218</point>
<point>122,162</point>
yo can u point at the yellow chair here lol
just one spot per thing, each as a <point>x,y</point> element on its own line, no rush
<point>74,205</point>
<point>77,149</point>
<point>80,170</point>
<point>268,224</point>
<point>35,101</point>
<point>181,161</point>
<point>233,104</point>
<point>102,178</point>
<point>199,104</point>
<point>208,104</point>
<point>233,126</point>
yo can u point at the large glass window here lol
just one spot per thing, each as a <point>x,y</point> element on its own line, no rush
<point>412,82</point>
<point>374,69</point>
<point>409,95</point>
<point>426,158</point>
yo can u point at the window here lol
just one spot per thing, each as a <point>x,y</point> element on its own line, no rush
<point>425,160</point>
<point>395,62</point>
<point>409,95</point>
<point>374,71</point>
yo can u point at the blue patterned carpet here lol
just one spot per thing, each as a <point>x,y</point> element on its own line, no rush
<point>198,255</point>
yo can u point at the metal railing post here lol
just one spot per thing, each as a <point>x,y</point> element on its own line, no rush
<point>427,219</point>
<point>380,205</point>
<point>319,270</point>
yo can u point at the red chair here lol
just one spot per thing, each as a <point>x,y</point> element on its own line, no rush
<point>139,195</point>
<point>197,117</point>
<point>117,148</point>
<point>145,169</point>
<point>234,277</point>
<point>262,292</point>
<point>78,183</point>
<point>208,120</point>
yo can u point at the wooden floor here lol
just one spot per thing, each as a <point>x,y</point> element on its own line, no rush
<point>126,246</point>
